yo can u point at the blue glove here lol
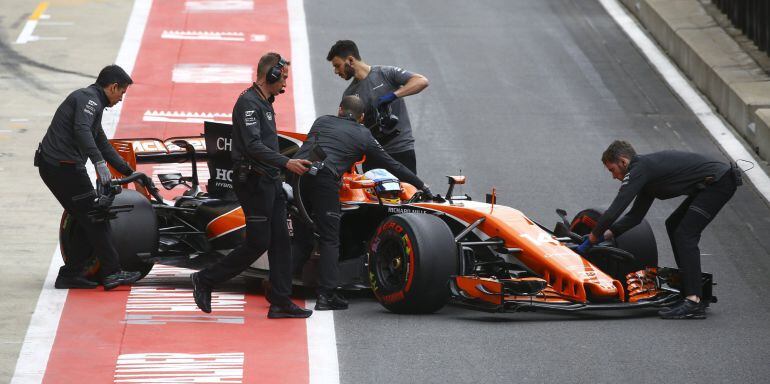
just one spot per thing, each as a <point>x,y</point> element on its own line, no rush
<point>583,248</point>
<point>387,99</point>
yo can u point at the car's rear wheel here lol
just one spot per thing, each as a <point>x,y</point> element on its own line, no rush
<point>133,232</point>
<point>411,258</point>
<point>639,241</point>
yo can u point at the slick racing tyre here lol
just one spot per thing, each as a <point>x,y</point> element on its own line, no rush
<point>133,232</point>
<point>411,258</point>
<point>639,241</point>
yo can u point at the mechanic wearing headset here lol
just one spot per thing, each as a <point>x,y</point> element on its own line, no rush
<point>341,141</point>
<point>76,134</point>
<point>708,185</point>
<point>258,186</point>
<point>377,86</point>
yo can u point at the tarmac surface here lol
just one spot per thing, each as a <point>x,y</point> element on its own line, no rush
<point>524,96</point>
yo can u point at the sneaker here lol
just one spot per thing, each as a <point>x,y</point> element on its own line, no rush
<point>330,302</point>
<point>288,310</point>
<point>685,309</point>
<point>120,278</point>
<point>74,282</point>
<point>201,293</point>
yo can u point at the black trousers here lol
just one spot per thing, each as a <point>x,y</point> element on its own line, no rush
<point>73,189</point>
<point>407,158</point>
<point>686,224</point>
<point>264,205</point>
<point>321,195</point>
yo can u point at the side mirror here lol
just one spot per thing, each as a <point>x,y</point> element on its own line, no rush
<point>456,179</point>
<point>170,180</point>
<point>361,184</point>
<point>453,180</point>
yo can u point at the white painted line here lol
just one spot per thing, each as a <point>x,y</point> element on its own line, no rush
<point>164,299</point>
<point>212,74</point>
<point>33,358</point>
<point>321,337</point>
<point>186,117</point>
<point>322,347</point>
<point>19,120</point>
<point>694,100</point>
<point>258,38</point>
<point>304,105</point>
<point>218,5</point>
<point>180,368</point>
<point>203,35</point>
<point>165,274</point>
<point>56,23</point>
<point>155,319</point>
<point>26,33</point>
<point>126,59</point>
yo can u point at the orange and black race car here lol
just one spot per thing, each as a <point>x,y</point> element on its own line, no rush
<point>415,252</point>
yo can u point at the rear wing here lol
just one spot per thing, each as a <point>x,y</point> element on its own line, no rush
<point>214,146</point>
<point>150,150</point>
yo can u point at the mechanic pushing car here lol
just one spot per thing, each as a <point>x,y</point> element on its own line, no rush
<point>708,185</point>
<point>76,134</point>
<point>334,143</point>
<point>381,87</point>
<point>258,187</point>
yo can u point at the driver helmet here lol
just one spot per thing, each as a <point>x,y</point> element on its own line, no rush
<point>386,185</point>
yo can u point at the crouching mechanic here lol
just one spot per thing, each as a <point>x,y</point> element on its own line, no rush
<point>258,186</point>
<point>708,185</point>
<point>76,134</point>
<point>343,141</point>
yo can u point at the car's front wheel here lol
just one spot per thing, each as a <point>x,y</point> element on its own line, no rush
<point>411,258</point>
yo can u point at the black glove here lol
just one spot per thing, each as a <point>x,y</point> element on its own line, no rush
<point>427,193</point>
<point>104,201</point>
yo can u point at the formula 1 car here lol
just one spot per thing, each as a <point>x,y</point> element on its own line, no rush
<point>415,252</point>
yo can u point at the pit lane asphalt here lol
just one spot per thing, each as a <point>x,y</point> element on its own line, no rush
<point>524,96</point>
<point>78,39</point>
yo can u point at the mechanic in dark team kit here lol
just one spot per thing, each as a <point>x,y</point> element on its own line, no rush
<point>378,86</point>
<point>339,141</point>
<point>708,185</point>
<point>76,134</point>
<point>258,186</point>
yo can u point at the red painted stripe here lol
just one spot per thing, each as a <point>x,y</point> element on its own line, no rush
<point>92,332</point>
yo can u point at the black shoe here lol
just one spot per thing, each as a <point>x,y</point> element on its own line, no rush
<point>120,278</point>
<point>201,293</point>
<point>288,310</point>
<point>74,282</point>
<point>330,302</point>
<point>685,309</point>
